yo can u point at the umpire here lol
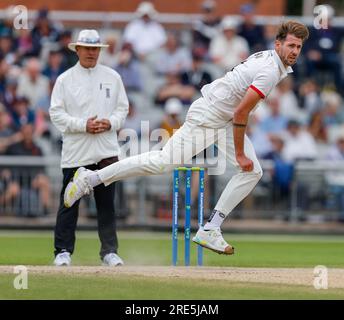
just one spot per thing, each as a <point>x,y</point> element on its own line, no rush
<point>88,106</point>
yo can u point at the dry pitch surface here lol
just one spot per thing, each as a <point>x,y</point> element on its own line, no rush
<point>290,276</point>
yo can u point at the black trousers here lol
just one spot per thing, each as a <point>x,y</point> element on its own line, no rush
<point>66,220</point>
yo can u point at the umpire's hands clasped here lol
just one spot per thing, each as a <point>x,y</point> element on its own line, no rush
<point>95,126</point>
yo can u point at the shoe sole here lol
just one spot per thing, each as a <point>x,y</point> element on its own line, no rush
<point>231,252</point>
<point>72,188</point>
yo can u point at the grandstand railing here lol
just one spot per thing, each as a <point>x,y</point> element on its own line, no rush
<point>147,199</point>
<point>22,171</point>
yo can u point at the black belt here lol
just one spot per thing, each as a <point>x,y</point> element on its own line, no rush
<point>107,161</point>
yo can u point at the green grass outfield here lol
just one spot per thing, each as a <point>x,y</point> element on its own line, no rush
<point>154,249</point>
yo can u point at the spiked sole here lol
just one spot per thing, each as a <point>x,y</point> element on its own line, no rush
<point>71,190</point>
<point>71,193</point>
<point>229,250</point>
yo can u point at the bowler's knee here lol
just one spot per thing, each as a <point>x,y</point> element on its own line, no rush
<point>160,162</point>
<point>255,175</point>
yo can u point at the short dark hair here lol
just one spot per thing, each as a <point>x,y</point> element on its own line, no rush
<point>297,29</point>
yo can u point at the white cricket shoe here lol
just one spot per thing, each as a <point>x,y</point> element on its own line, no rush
<point>63,259</point>
<point>213,240</point>
<point>77,188</point>
<point>112,260</point>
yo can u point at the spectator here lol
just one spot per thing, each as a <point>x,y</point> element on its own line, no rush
<point>27,146</point>
<point>43,126</point>
<point>174,88</point>
<point>4,69</point>
<point>54,66</point>
<point>259,138</point>
<point>43,32</point>
<point>9,190</point>
<point>310,100</point>
<point>32,84</point>
<point>228,41</point>
<point>299,143</point>
<point>7,135</point>
<point>171,121</point>
<point>129,69</point>
<point>173,57</point>
<point>35,186</point>
<point>129,136</point>
<point>21,113</point>
<point>322,52</point>
<point>133,120</point>
<point>24,44</point>
<point>249,30</point>
<point>69,58</point>
<point>6,25</point>
<point>336,150</point>
<point>144,33</point>
<point>335,179</point>
<point>10,93</point>
<point>281,174</point>
<point>317,127</point>
<point>269,122</point>
<point>275,122</point>
<point>332,108</point>
<point>109,55</point>
<point>206,28</point>
<point>7,49</point>
<point>197,76</point>
<point>269,36</point>
<point>289,106</point>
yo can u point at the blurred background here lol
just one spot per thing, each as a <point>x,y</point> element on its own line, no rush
<point>298,131</point>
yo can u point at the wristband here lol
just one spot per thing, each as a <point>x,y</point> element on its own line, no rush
<point>239,124</point>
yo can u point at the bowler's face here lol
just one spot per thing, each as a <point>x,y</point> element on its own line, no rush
<point>289,49</point>
<point>88,56</point>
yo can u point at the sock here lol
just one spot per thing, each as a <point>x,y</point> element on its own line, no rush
<point>215,220</point>
<point>94,179</point>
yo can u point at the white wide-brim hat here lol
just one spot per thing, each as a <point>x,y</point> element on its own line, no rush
<point>173,106</point>
<point>87,38</point>
<point>146,8</point>
<point>229,23</point>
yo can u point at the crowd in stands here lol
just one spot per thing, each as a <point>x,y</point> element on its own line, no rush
<point>302,119</point>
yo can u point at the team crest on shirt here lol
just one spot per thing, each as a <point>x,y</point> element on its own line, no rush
<point>106,87</point>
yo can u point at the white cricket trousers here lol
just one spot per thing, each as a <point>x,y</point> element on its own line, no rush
<point>188,141</point>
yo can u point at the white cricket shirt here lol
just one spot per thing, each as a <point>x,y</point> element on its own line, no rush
<point>79,94</point>
<point>261,71</point>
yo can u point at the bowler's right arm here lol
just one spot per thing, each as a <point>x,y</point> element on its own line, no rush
<point>240,120</point>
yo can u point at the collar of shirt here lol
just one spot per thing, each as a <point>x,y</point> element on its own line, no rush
<point>80,68</point>
<point>284,70</point>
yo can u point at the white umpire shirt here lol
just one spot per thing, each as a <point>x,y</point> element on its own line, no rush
<point>261,71</point>
<point>81,93</point>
